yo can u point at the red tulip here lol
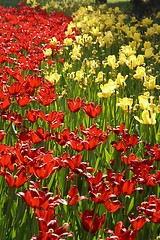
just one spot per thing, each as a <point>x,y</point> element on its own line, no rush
<point>128,187</point>
<point>73,195</point>
<point>18,180</point>
<point>13,117</point>
<point>46,94</point>
<point>32,115</point>
<point>55,119</point>
<point>4,105</point>
<point>129,159</point>
<point>94,131</point>
<point>91,110</point>
<point>14,88</point>
<point>24,100</point>
<point>121,233</point>
<point>34,81</point>
<point>154,151</point>
<point>76,143</point>
<point>35,198</point>
<point>44,170</point>
<point>74,162</point>
<point>119,130</point>
<point>91,222</point>
<point>75,105</point>
<point>112,206</point>
<point>151,208</point>
<point>125,142</point>
<point>51,230</point>
<point>63,137</point>
<point>139,222</point>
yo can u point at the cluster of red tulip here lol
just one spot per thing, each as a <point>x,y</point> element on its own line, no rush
<point>27,163</point>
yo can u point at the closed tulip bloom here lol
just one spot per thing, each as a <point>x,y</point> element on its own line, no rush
<point>143,101</point>
<point>111,60</point>
<point>148,52</point>
<point>140,59</point>
<point>140,73</point>
<point>147,45</point>
<point>150,82</point>
<point>132,62</point>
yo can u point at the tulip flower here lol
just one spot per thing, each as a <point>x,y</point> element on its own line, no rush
<point>91,110</point>
<point>46,94</point>
<point>47,52</point>
<point>73,196</point>
<point>140,73</point>
<point>148,117</point>
<point>107,89</point>
<point>121,233</point>
<point>125,104</point>
<point>150,82</point>
<point>143,101</point>
<point>139,222</point>
<point>148,52</point>
<point>151,208</point>
<point>111,61</point>
<point>18,180</point>
<point>120,80</point>
<point>35,198</point>
<point>91,222</point>
<point>75,105</point>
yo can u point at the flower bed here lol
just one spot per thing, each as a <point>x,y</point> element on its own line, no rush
<point>79,125</point>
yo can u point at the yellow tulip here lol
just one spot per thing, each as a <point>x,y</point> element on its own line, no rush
<point>132,61</point>
<point>117,10</point>
<point>95,31</point>
<point>127,50</point>
<point>146,22</point>
<point>126,104</point>
<point>147,118</point>
<point>69,30</point>
<point>120,80</point>
<point>148,52</point>
<point>137,37</point>
<point>53,77</point>
<point>140,59</point>
<point>47,52</point>
<point>100,77</point>
<point>111,60</point>
<point>147,45</point>
<point>107,89</point>
<point>150,32</point>
<point>156,27</point>
<point>143,101</point>
<point>122,58</point>
<point>150,82</point>
<point>140,72</point>
<point>75,53</point>
<point>68,41</point>
<point>79,40</point>
<point>108,38</point>
<point>79,75</point>
<point>54,41</point>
